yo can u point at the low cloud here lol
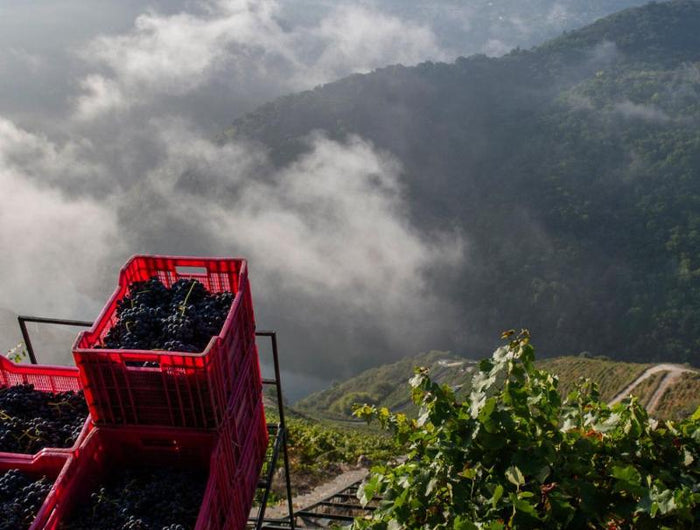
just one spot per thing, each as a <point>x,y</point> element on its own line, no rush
<point>496,48</point>
<point>35,157</point>
<point>52,246</point>
<point>327,236</point>
<point>335,263</point>
<point>558,15</point>
<point>603,55</point>
<point>18,60</point>
<point>337,220</point>
<point>173,55</point>
<point>578,101</point>
<point>632,110</point>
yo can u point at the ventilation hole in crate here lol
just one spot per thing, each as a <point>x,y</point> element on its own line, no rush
<point>191,271</point>
<point>163,277</point>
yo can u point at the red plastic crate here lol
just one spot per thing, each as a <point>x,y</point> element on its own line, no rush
<point>46,379</point>
<point>254,451</point>
<point>184,389</point>
<point>54,465</point>
<point>106,450</point>
<point>244,409</point>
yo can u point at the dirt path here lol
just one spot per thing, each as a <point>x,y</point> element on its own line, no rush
<point>319,493</point>
<point>673,372</point>
<point>669,379</point>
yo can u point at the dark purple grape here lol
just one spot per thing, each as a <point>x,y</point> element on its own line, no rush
<point>21,497</point>
<point>31,420</point>
<point>142,499</point>
<point>182,318</point>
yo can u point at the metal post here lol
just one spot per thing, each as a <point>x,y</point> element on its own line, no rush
<point>23,319</point>
<point>283,425</point>
<point>282,435</point>
<point>27,341</point>
<point>280,404</point>
<point>272,463</point>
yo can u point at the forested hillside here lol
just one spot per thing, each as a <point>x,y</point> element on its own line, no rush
<point>572,169</point>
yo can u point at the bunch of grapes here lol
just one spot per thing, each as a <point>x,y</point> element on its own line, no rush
<point>31,420</point>
<point>21,498</point>
<point>142,499</point>
<point>183,317</point>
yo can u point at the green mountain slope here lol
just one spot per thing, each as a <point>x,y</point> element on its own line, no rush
<point>384,385</point>
<point>387,385</point>
<point>572,169</point>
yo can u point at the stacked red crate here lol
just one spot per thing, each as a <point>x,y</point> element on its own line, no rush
<point>52,464</point>
<point>214,396</point>
<point>176,389</point>
<point>109,450</point>
<point>52,379</point>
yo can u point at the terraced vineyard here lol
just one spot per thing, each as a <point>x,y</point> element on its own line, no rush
<point>646,389</point>
<point>519,455</point>
<point>322,450</point>
<point>681,399</point>
<point>385,385</point>
<point>611,376</point>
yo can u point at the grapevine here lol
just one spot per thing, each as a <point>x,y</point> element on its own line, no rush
<point>516,454</point>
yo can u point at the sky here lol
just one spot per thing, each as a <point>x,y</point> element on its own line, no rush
<point>110,119</point>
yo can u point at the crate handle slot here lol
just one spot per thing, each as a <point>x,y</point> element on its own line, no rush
<point>135,362</point>
<point>183,270</point>
<point>139,365</point>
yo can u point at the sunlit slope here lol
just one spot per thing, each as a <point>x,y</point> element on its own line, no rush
<point>610,376</point>
<point>386,385</point>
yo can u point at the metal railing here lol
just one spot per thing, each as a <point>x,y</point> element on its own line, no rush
<point>279,430</point>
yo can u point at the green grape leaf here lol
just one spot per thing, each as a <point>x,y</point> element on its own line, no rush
<point>462,523</point>
<point>497,494</point>
<point>515,476</point>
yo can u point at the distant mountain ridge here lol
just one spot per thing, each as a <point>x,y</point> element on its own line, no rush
<point>573,169</point>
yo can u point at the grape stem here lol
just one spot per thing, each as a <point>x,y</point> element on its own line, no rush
<point>183,305</point>
<point>140,292</point>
